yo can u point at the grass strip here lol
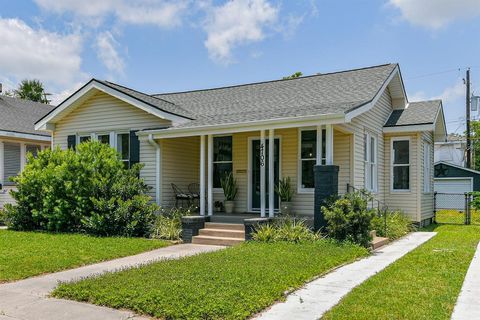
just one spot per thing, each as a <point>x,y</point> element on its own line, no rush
<point>424,284</point>
<point>228,284</point>
<point>25,254</point>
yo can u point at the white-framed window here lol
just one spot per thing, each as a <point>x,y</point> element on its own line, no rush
<point>401,164</point>
<point>222,159</point>
<point>308,157</point>
<point>370,160</point>
<point>84,138</point>
<point>427,167</point>
<point>123,147</point>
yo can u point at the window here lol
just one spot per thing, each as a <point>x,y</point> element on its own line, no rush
<point>401,164</point>
<point>308,156</point>
<point>123,148</point>
<point>104,138</point>
<point>84,138</point>
<point>33,149</point>
<point>11,161</point>
<point>427,168</point>
<point>370,159</point>
<point>222,159</point>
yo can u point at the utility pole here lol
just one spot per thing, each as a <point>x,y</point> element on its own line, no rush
<point>469,151</point>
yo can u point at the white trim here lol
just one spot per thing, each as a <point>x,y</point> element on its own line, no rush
<point>367,154</point>
<point>257,125</point>
<point>23,156</point>
<point>271,173</point>
<point>410,128</point>
<point>319,145</point>
<point>158,175</point>
<point>358,111</point>
<point>329,145</point>
<point>427,166</point>
<point>409,164</point>
<point>210,175</point>
<point>250,171</point>
<point>202,175</point>
<point>62,109</point>
<point>29,136</point>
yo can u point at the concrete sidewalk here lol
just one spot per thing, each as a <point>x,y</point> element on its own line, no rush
<point>319,296</point>
<point>28,299</point>
<point>468,306</point>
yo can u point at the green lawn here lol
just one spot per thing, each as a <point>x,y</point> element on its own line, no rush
<point>25,254</point>
<point>456,217</point>
<point>228,284</point>
<point>424,284</point>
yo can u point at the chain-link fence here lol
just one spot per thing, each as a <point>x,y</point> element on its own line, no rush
<point>455,208</point>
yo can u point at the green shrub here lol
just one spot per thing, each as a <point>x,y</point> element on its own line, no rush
<point>348,218</point>
<point>397,223</point>
<point>168,224</point>
<point>87,190</point>
<point>3,218</point>
<point>286,229</point>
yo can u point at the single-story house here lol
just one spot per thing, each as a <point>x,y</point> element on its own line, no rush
<point>451,151</point>
<point>18,137</point>
<point>359,120</point>
<point>452,178</point>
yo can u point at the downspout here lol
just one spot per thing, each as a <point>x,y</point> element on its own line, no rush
<point>155,144</point>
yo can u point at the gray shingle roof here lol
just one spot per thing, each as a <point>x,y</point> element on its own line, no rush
<point>330,93</point>
<point>417,113</point>
<point>18,115</point>
<point>155,102</point>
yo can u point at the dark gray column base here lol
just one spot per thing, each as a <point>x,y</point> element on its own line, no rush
<point>326,186</point>
<point>191,226</point>
<point>251,224</point>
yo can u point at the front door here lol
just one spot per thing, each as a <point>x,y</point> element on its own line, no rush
<point>255,178</point>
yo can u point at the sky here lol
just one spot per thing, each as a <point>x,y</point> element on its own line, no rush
<point>159,46</point>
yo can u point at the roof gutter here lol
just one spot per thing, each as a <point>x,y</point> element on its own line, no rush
<point>283,123</point>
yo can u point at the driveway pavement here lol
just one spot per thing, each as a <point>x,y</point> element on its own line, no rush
<point>28,299</point>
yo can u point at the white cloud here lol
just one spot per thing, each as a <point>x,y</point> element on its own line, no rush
<point>106,47</point>
<point>436,13</point>
<point>163,13</point>
<point>31,53</point>
<point>237,22</point>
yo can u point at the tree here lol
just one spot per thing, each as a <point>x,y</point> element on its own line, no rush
<point>297,74</point>
<point>475,144</point>
<point>31,90</point>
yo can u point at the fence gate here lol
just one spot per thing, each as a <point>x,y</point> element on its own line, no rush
<point>455,208</point>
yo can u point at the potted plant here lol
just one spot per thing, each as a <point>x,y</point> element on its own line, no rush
<point>218,206</point>
<point>285,192</point>
<point>229,186</point>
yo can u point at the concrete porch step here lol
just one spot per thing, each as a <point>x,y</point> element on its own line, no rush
<point>219,241</point>
<point>222,233</point>
<point>378,242</point>
<point>225,226</point>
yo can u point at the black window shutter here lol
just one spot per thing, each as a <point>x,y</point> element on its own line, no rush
<point>134,148</point>
<point>72,141</point>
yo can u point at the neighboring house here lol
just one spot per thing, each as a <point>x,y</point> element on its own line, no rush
<point>359,120</point>
<point>18,137</point>
<point>451,151</point>
<point>450,178</point>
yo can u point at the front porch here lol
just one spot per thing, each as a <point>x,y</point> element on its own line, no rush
<point>204,159</point>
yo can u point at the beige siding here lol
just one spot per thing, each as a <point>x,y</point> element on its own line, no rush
<point>371,121</point>
<point>180,165</point>
<point>426,198</point>
<point>104,113</point>
<point>180,162</point>
<point>406,201</point>
<point>5,197</point>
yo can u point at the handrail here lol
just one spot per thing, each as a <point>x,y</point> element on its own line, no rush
<point>381,207</point>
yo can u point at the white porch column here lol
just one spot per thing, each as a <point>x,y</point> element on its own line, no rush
<point>202,175</point>
<point>271,173</point>
<point>319,145</point>
<point>329,146</point>
<point>210,175</point>
<point>262,173</point>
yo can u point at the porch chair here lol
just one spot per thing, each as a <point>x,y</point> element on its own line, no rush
<point>181,196</point>
<point>194,192</point>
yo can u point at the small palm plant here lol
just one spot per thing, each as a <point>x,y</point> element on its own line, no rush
<point>229,186</point>
<point>285,192</point>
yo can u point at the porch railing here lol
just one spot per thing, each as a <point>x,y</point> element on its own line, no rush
<point>381,209</point>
